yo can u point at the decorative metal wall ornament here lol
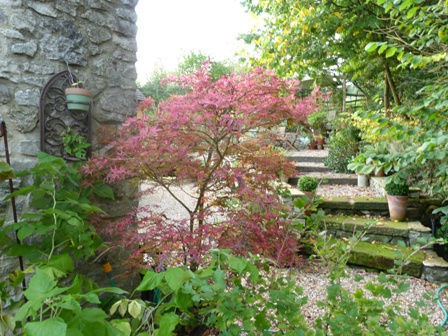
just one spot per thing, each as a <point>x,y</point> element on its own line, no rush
<point>55,118</point>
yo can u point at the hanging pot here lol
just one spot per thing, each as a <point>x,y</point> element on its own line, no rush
<point>78,99</point>
<point>397,207</point>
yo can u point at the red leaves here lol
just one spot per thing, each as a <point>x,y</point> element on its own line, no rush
<point>218,135</point>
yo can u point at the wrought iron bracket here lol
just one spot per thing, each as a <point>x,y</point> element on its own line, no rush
<point>55,118</point>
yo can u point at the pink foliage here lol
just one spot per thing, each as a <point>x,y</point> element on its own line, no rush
<point>145,105</point>
<point>218,134</point>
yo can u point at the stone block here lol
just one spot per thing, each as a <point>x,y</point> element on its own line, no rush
<point>4,94</point>
<point>435,269</point>
<point>27,97</point>
<point>28,48</point>
<point>13,34</point>
<point>25,118</point>
<point>382,256</point>
<point>29,147</point>
<point>43,9</point>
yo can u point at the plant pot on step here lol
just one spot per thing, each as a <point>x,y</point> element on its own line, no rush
<point>320,142</point>
<point>312,145</point>
<point>397,200</point>
<point>397,207</point>
<point>380,173</point>
<point>363,181</point>
<point>78,99</point>
<point>308,185</point>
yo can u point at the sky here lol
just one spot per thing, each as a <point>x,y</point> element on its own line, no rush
<point>168,29</point>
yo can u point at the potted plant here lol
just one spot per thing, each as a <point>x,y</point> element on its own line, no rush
<point>77,97</point>
<point>377,151</point>
<point>308,186</point>
<point>318,123</point>
<point>397,200</point>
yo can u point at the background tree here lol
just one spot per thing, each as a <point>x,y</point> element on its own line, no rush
<point>188,64</point>
<point>153,89</point>
<point>302,38</point>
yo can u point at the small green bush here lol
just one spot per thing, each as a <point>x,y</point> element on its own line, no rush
<point>343,145</point>
<point>307,183</point>
<point>395,189</point>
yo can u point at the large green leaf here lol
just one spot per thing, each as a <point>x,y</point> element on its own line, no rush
<point>168,323</point>
<point>104,191</point>
<point>150,281</point>
<point>50,327</point>
<point>237,264</point>
<point>176,277</point>
<point>6,172</point>
<point>59,265</point>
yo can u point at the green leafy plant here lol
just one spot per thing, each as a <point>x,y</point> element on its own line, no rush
<point>50,237</point>
<point>343,146</point>
<point>75,145</point>
<point>395,189</point>
<point>307,183</point>
<point>317,121</point>
<point>230,295</point>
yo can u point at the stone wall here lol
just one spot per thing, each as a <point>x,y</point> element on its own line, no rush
<point>96,38</point>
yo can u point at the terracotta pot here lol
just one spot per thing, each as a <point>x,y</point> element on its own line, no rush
<point>78,99</point>
<point>320,140</point>
<point>397,207</point>
<point>312,145</point>
<point>380,173</point>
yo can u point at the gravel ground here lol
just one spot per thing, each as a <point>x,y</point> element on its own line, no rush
<point>346,190</point>
<point>313,277</point>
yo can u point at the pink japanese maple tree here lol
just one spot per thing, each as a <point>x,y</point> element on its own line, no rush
<point>219,135</point>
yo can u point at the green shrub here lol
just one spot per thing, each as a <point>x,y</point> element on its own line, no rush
<point>317,121</point>
<point>307,183</point>
<point>395,189</point>
<point>343,145</point>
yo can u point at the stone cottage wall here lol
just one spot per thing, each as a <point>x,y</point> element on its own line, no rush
<point>96,38</point>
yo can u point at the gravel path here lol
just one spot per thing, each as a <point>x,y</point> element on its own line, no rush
<point>313,278</point>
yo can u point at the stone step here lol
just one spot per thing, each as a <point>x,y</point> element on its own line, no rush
<point>328,179</point>
<point>380,256</point>
<point>305,158</point>
<point>376,206</point>
<point>377,230</point>
<point>313,167</point>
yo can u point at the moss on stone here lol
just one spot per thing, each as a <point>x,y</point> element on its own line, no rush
<point>382,256</point>
<point>352,224</point>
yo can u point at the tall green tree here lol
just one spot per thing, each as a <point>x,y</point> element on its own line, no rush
<point>154,89</point>
<point>300,37</point>
<point>159,90</point>
<point>192,61</point>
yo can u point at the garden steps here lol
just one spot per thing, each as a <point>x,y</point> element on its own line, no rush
<point>424,264</point>
<point>303,159</point>
<point>310,163</point>
<point>346,215</point>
